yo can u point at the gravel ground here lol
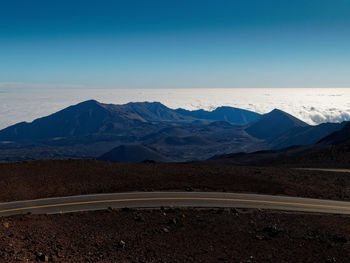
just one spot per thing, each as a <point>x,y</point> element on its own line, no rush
<point>40,179</point>
<point>176,235</point>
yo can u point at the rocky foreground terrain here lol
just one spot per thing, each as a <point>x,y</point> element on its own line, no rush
<point>40,179</point>
<point>170,235</point>
<point>176,235</point>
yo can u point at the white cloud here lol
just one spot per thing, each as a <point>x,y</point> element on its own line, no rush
<point>311,105</point>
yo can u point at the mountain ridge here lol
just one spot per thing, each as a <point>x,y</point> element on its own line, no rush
<point>90,128</point>
<point>224,113</point>
<point>273,124</point>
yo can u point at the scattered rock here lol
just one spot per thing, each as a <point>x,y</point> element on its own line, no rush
<point>42,257</point>
<point>272,231</point>
<point>259,237</point>
<point>139,218</point>
<point>171,209</point>
<point>340,239</point>
<point>6,224</point>
<point>121,244</point>
<point>172,221</point>
<point>166,230</point>
<point>234,211</point>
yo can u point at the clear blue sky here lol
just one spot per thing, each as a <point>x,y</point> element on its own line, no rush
<point>176,43</point>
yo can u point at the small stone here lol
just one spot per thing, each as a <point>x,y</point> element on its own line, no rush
<point>139,218</point>
<point>234,211</point>
<point>259,237</point>
<point>272,231</point>
<point>6,224</point>
<point>165,230</point>
<point>41,257</point>
<point>121,244</point>
<point>172,221</point>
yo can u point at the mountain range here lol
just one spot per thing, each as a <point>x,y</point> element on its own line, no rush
<point>332,151</point>
<point>150,130</point>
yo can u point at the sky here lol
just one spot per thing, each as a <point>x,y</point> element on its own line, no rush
<point>137,44</point>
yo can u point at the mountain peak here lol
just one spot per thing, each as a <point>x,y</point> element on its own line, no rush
<point>282,114</point>
<point>89,102</point>
<point>275,110</point>
<point>273,123</point>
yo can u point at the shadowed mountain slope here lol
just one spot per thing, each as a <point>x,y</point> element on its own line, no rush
<point>229,114</point>
<point>84,118</point>
<point>341,136</point>
<point>132,153</point>
<point>304,135</point>
<point>331,151</point>
<point>273,124</point>
<point>90,128</point>
<point>148,111</point>
<point>91,117</point>
<point>336,152</point>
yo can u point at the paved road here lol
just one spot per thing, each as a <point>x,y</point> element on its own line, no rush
<point>176,199</point>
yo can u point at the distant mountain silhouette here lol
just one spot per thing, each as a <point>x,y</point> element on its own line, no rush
<point>148,111</point>
<point>338,137</point>
<point>273,124</point>
<point>225,113</point>
<point>304,135</point>
<point>91,117</point>
<point>331,151</point>
<point>90,128</point>
<point>84,118</point>
<point>335,152</point>
<point>132,153</point>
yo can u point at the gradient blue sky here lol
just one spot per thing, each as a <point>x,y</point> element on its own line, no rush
<point>176,43</point>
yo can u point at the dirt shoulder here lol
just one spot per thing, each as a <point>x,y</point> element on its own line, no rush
<point>176,235</point>
<point>40,179</point>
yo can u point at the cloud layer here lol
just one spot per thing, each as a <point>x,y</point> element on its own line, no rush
<point>314,106</point>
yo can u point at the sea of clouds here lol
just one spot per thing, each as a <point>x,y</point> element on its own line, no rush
<point>313,106</point>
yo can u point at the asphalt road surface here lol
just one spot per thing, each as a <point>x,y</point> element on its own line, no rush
<point>172,199</point>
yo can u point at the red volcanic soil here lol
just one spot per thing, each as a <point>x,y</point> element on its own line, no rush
<point>176,235</point>
<point>39,179</point>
